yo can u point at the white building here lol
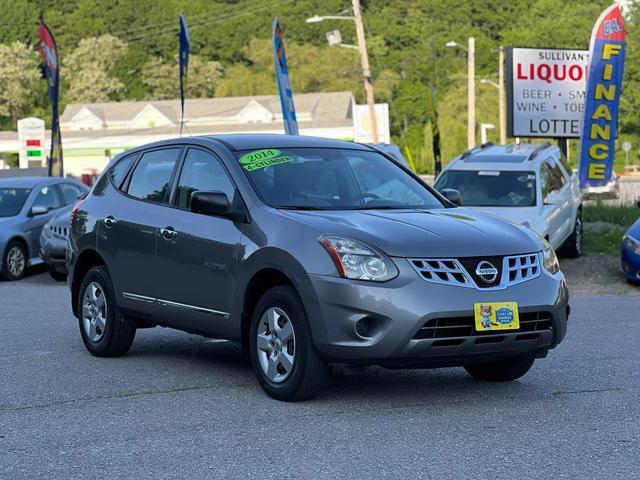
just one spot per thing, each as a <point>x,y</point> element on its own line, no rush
<point>92,133</point>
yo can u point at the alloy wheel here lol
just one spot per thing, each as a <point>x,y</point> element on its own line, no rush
<point>16,261</point>
<point>276,344</point>
<point>94,312</point>
<point>579,235</point>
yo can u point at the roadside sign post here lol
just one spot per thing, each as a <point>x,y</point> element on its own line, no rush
<point>626,148</point>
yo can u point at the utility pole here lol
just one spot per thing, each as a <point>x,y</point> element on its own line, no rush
<point>471,92</point>
<point>366,72</point>
<point>502,112</point>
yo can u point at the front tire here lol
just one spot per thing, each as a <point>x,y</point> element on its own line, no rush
<point>504,371</point>
<point>572,248</point>
<point>105,330</point>
<point>14,261</point>
<point>283,356</point>
<point>56,275</point>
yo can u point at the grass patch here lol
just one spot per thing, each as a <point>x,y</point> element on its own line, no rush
<point>604,240</point>
<point>605,225</point>
<point>622,216</point>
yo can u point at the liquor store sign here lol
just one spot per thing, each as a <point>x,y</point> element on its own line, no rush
<point>546,92</point>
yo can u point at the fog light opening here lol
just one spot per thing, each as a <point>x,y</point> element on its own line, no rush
<point>365,327</point>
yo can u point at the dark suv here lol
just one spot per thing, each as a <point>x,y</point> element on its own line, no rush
<point>310,252</point>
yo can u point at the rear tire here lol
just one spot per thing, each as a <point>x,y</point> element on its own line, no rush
<point>14,261</point>
<point>105,330</point>
<point>572,247</point>
<point>504,371</point>
<point>283,356</point>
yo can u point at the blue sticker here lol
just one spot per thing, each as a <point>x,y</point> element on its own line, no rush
<point>504,315</point>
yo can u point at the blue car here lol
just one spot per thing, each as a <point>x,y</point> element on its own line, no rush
<point>631,253</point>
<point>26,205</point>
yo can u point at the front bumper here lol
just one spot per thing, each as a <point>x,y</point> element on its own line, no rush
<point>630,264</point>
<point>398,309</point>
<point>53,252</point>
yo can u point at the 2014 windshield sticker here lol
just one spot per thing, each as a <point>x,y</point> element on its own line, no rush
<point>263,159</point>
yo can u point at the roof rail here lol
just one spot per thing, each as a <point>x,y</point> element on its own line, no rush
<point>538,149</point>
<point>475,149</point>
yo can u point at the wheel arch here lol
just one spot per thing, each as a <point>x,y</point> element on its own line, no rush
<point>265,269</point>
<point>86,260</point>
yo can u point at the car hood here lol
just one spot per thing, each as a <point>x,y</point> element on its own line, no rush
<point>6,221</point>
<point>458,232</point>
<point>62,218</point>
<point>521,215</point>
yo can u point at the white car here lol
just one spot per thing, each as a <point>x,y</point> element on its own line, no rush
<point>530,184</point>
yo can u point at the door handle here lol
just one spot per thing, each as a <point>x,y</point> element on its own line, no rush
<point>168,233</point>
<point>109,221</point>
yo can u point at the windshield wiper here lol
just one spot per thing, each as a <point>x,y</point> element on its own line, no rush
<point>298,207</point>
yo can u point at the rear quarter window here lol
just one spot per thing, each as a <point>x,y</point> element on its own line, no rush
<point>119,171</point>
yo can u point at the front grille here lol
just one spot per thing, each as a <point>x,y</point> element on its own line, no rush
<point>447,271</point>
<point>521,268</point>
<point>461,272</point>
<point>449,327</point>
<point>60,231</point>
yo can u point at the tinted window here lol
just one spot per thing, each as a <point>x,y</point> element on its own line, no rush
<point>332,179</point>
<point>557,176</point>
<point>120,169</point>
<point>150,179</point>
<point>47,198</point>
<point>201,171</point>
<point>491,188</point>
<point>12,200</point>
<point>70,193</point>
<point>565,163</point>
<point>546,180</point>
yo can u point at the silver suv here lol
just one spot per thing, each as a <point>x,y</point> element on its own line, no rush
<point>310,252</point>
<point>530,184</point>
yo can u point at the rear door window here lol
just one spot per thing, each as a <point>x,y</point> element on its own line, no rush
<point>151,179</point>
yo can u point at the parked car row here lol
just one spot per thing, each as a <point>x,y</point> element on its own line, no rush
<point>27,204</point>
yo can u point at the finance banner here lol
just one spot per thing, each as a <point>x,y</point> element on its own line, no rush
<point>597,143</point>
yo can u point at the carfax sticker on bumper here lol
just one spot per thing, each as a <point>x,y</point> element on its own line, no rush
<point>496,316</point>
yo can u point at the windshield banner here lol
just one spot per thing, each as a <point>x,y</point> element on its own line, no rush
<point>183,58</point>
<point>282,76</point>
<point>49,54</point>
<point>597,143</point>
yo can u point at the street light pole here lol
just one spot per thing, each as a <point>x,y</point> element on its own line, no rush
<point>502,112</point>
<point>366,72</point>
<point>471,93</point>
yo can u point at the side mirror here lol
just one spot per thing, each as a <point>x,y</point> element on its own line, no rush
<point>38,210</point>
<point>553,198</point>
<point>214,204</point>
<point>452,195</point>
<point>638,202</point>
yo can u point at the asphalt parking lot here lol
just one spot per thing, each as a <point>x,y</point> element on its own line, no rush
<point>182,406</point>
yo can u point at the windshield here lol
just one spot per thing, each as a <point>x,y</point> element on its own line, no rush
<point>491,188</point>
<point>12,200</point>
<point>332,179</point>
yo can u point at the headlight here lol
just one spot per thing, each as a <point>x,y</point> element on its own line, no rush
<point>632,244</point>
<point>357,261</point>
<point>549,258</point>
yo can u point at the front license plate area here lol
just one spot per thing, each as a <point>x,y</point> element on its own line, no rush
<point>496,316</point>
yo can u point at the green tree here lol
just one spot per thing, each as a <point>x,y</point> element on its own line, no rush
<point>162,78</point>
<point>19,80</point>
<point>88,70</point>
